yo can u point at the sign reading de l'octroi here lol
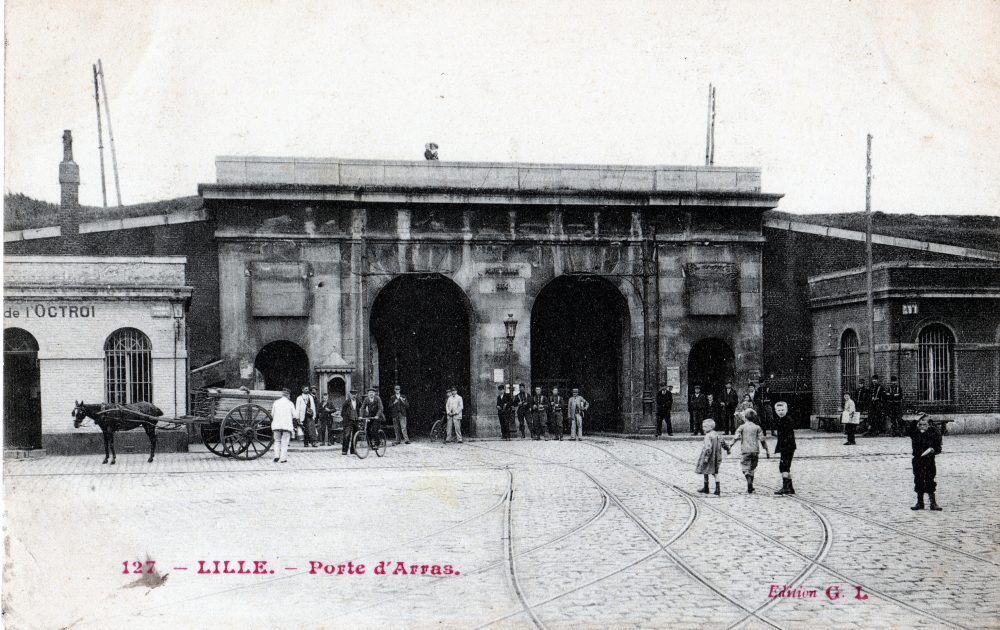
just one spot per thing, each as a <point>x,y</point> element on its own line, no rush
<point>49,311</point>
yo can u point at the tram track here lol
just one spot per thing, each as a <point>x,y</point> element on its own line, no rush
<point>661,546</point>
<point>814,562</point>
<point>902,532</point>
<point>507,559</point>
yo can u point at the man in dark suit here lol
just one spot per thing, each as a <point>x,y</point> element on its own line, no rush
<point>557,411</point>
<point>398,408</point>
<point>505,403</point>
<point>894,407</point>
<point>349,413</point>
<point>373,409</point>
<point>730,400</point>
<point>664,403</point>
<point>876,408</point>
<point>697,408</point>
<point>521,408</point>
<point>538,403</point>
<point>762,401</point>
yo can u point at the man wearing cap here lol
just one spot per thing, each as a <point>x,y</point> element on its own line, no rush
<point>282,424</point>
<point>521,407</point>
<point>398,407</point>
<point>578,406</point>
<point>349,413</point>
<point>730,400</point>
<point>664,402</point>
<point>697,408</point>
<point>762,402</point>
<point>326,418</point>
<point>372,409</point>
<point>538,403</point>
<point>894,406</point>
<point>785,446</point>
<point>557,411</point>
<point>505,403</point>
<point>876,408</point>
<point>453,409</point>
<point>305,410</point>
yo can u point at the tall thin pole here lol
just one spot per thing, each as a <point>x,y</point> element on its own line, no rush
<point>710,132</point>
<point>111,135</point>
<point>100,137</point>
<point>868,265</point>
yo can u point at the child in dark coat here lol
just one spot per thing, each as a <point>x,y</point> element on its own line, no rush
<point>926,444</point>
<point>711,455</point>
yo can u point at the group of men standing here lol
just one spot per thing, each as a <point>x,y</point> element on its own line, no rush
<point>882,404</point>
<point>540,415</point>
<point>702,406</point>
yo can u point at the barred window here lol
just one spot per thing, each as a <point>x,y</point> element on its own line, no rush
<point>128,373</point>
<point>935,363</point>
<point>850,370</point>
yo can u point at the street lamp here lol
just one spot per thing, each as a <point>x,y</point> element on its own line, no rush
<point>510,324</point>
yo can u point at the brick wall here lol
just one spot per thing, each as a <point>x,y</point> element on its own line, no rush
<point>789,259</point>
<point>194,240</point>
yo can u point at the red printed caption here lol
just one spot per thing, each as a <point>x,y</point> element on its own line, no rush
<point>314,567</point>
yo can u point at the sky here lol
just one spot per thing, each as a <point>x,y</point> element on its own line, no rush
<point>798,87</point>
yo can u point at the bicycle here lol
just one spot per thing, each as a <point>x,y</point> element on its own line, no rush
<point>439,428</point>
<point>363,444</point>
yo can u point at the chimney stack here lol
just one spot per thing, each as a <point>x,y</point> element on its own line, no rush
<point>69,184</point>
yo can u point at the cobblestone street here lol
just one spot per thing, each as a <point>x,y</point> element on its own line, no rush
<point>600,534</point>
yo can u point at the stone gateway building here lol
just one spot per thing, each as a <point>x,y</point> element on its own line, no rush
<point>354,273</point>
<point>361,272</point>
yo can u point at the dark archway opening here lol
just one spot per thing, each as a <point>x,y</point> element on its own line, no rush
<point>22,397</point>
<point>579,327</point>
<point>710,364</point>
<point>283,364</point>
<point>420,325</point>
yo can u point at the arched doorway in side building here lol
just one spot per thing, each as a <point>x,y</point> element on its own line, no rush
<point>579,328</point>
<point>710,364</point>
<point>420,328</point>
<point>283,364</point>
<point>22,406</point>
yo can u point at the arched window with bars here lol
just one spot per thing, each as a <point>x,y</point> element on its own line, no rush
<point>935,363</point>
<point>850,369</point>
<point>128,368</point>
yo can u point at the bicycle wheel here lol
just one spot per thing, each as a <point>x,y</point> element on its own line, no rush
<point>361,447</point>
<point>437,430</point>
<point>382,441</point>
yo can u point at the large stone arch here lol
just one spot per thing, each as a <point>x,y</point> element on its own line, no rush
<point>420,328</point>
<point>580,336</point>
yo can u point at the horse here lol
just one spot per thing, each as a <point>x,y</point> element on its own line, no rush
<point>112,418</point>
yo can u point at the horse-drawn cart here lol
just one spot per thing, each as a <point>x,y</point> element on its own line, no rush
<point>232,422</point>
<point>236,422</point>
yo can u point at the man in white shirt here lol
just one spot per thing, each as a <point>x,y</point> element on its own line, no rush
<point>453,408</point>
<point>305,411</point>
<point>282,424</point>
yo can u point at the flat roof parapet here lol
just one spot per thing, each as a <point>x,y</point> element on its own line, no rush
<point>472,176</point>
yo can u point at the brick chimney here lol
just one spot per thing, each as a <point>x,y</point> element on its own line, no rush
<point>69,200</point>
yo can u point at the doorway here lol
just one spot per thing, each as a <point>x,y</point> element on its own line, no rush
<point>579,327</point>
<point>420,327</point>
<point>22,397</point>
<point>710,364</point>
<point>283,364</point>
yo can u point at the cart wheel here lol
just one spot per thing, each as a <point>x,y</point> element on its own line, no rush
<point>246,432</point>
<point>210,437</point>
<point>380,449</point>
<point>361,447</point>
